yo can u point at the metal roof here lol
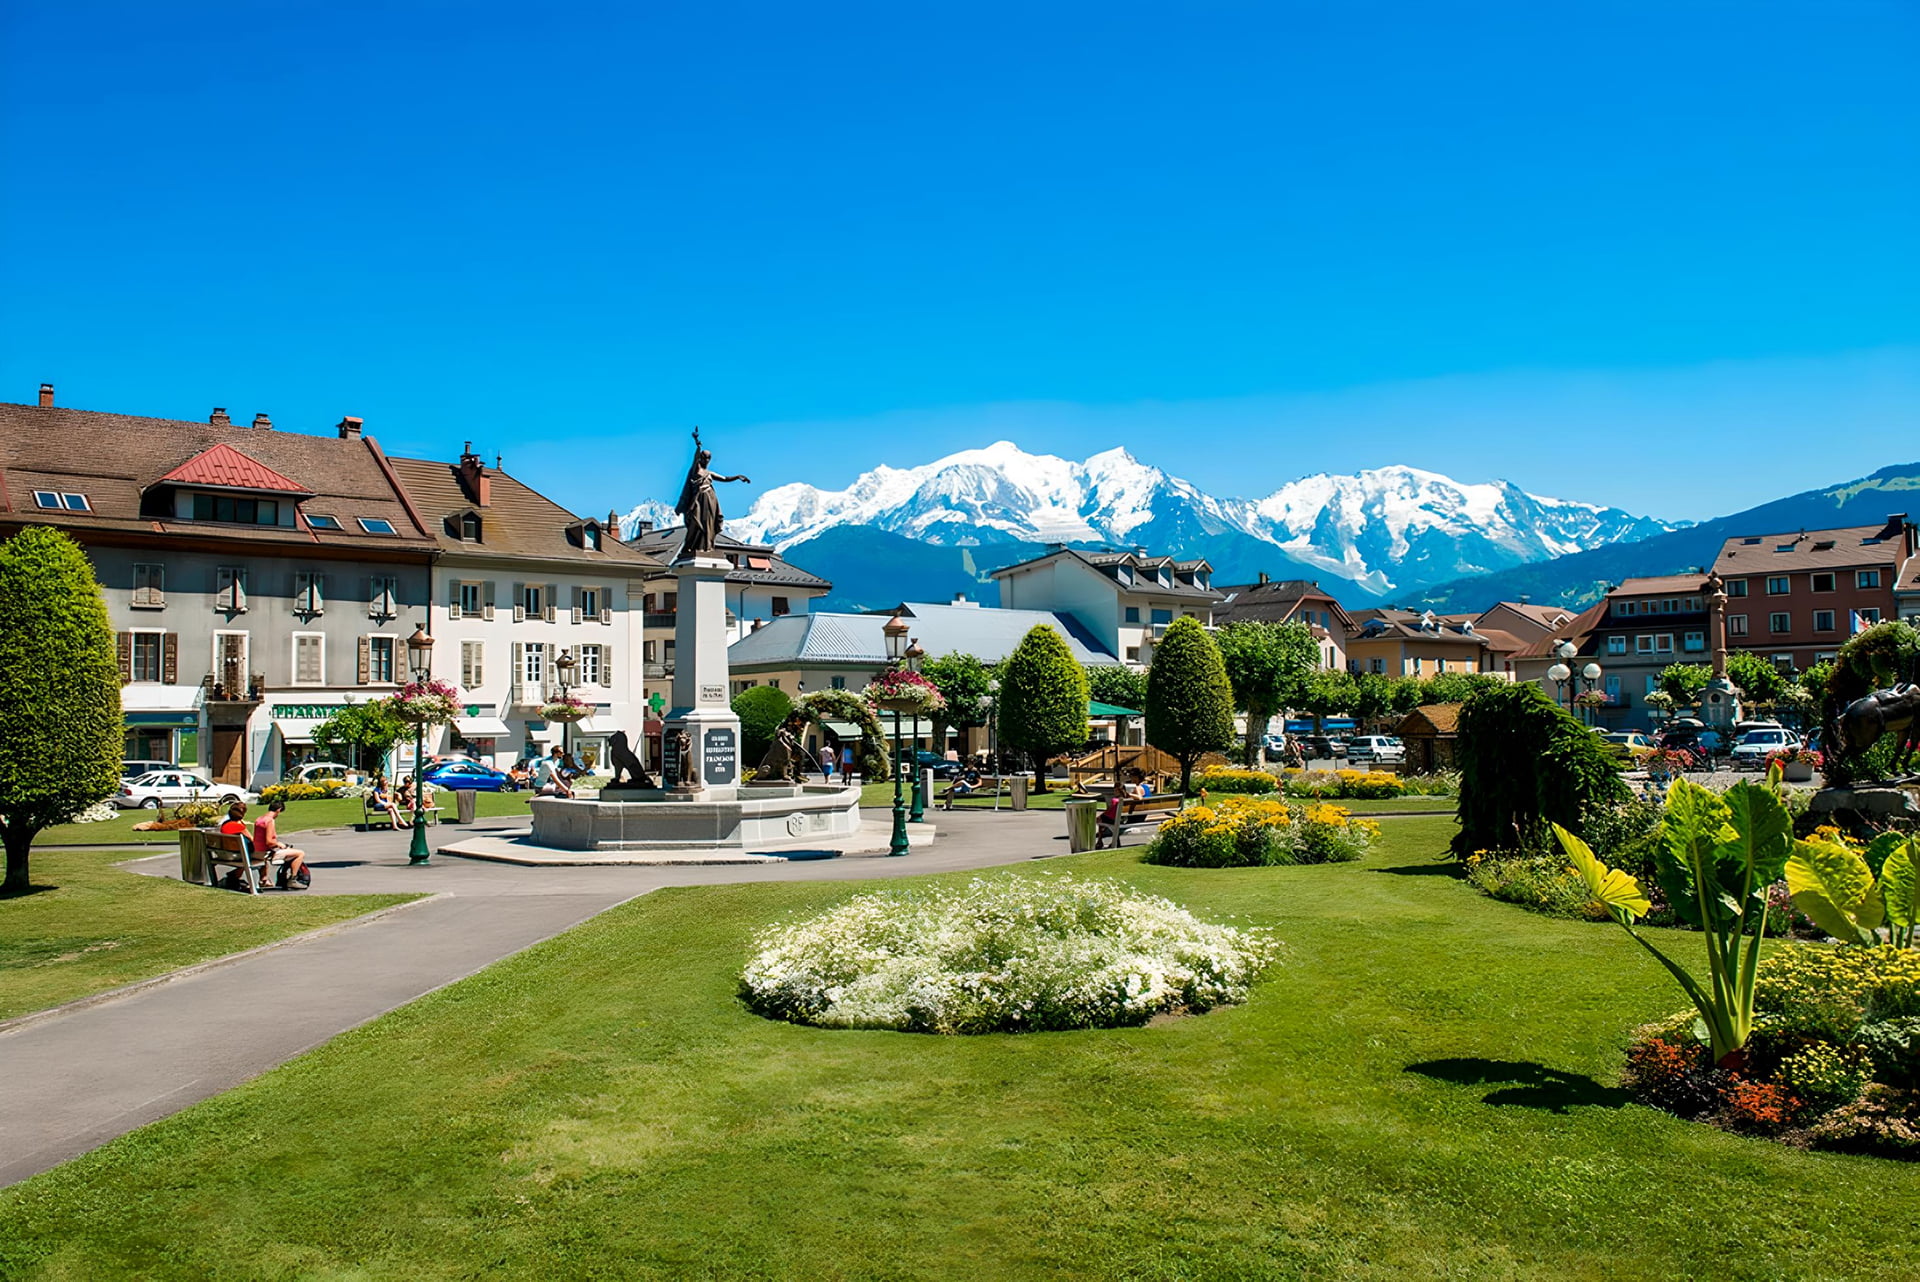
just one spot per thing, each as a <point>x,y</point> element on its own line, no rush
<point>987,634</point>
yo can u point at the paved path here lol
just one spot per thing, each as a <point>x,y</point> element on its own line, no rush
<point>77,1079</point>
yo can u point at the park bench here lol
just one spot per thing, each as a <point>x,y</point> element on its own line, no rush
<point>1136,812</point>
<point>369,817</point>
<point>235,850</point>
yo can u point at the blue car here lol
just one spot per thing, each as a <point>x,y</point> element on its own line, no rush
<point>468,776</point>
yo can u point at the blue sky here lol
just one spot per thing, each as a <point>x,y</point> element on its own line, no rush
<point>1579,247</point>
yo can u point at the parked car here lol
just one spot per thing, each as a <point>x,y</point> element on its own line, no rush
<point>941,767</point>
<point>134,769</point>
<point>1627,745</point>
<point>469,776</point>
<point>323,772</point>
<point>1273,746</point>
<point>1381,748</point>
<point>1755,746</point>
<point>172,786</point>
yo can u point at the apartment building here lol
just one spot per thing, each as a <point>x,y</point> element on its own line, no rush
<point>1125,600</point>
<point>257,580</point>
<point>1401,643</point>
<point>1290,601</point>
<point>528,598</point>
<point>1648,623</point>
<point>1796,598</point>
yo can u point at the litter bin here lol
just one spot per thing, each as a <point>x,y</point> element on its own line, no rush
<point>464,801</point>
<point>1083,825</point>
<point>193,856</point>
<point>1019,792</point>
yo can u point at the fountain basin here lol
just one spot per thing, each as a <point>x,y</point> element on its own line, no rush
<point>731,818</point>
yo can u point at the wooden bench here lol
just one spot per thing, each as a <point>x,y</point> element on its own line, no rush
<point>235,850</point>
<point>1136,812</point>
<point>370,817</point>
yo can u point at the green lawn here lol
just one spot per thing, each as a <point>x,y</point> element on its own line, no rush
<point>98,926</point>
<point>298,816</point>
<point>1423,1089</point>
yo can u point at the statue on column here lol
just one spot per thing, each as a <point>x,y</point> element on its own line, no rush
<point>699,505</point>
<point>1717,604</point>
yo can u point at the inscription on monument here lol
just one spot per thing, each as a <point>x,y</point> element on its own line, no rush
<point>669,761</point>
<point>717,757</point>
<point>713,694</point>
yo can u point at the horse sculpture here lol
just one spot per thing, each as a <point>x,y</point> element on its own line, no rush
<point>1865,721</point>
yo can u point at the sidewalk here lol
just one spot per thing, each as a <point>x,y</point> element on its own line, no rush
<point>80,1078</point>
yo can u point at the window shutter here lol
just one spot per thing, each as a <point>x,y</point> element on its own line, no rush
<point>553,596</point>
<point>606,604</point>
<point>363,673</point>
<point>519,672</point>
<point>486,596</point>
<point>317,592</point>
<point>519,603</point>
<point>170,657</point>
<point>239,589</point>
<point>453,600</point>
<point>124,640</point>
<point>578,593</point>
<point>606,667</point>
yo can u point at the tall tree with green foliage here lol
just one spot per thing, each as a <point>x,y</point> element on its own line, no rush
<point>1456,687</point>
<point>1326,694</point>
<point>1117,684</point>
<point>61,735</point>
<point>761,709</point>
<point>1267,663</point>
<point>1683,682</point>
<point>1189,699</point>
<point>962,680</point>
<point>1760,682</point>
<point>1043,699</point>
<point>1526,765</point>
<point>1372,698</point>
<point>364,733</point>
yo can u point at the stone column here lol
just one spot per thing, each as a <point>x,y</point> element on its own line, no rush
<point>1720,701</point>
<point>701,703</point>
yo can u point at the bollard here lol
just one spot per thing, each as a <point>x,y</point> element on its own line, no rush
<point>1083,825</point>
<point>1019,801</point>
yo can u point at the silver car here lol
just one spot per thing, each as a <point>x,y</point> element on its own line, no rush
<point>1383,748</point>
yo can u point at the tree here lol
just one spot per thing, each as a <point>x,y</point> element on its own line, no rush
<point>1372,697</point>
<point>1456,687</point>
<point>363,732</point>
<point>1043,699</point>
<point>61,735</point>
<point>761,709</point>
<point>1327,694</point>
<point>1683,682</point>
<point>1117,684</point>
<point>962,680</point>
<point>1266,665</point>
<point>1759,680</point>
<point>1525,765</point>
<point>1189,700</point>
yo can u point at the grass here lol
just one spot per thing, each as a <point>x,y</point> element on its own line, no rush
<point>88,926</point>
<point>1423,1089</point>
<point>299,816</point>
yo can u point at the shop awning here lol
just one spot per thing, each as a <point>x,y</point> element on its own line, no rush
<point>297,729</point>
<point>482,728</point>
<point>1097,709</point>
<point>161,698</point>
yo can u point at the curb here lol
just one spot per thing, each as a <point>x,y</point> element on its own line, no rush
<point>19,1022</point>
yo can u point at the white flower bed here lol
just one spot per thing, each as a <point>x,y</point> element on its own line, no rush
<point>1004,955</point>
<point>98,812</point>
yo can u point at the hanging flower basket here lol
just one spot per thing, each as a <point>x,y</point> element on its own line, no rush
<point>427,703</point>
<point>565,709</point>
<point>901,690</point>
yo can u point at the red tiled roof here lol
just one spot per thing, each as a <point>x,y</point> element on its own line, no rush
<point>226,468</point>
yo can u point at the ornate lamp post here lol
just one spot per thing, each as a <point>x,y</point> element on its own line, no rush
<point>420,663</point>
<point>563,666</point>
<point>988,707</point>
<point>919,815</point>
<point>1568,678</point>
<point>895,631</point>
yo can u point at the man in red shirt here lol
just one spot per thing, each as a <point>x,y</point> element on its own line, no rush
<point>267,843</point>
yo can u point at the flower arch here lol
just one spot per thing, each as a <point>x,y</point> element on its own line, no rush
<point>821,706</point>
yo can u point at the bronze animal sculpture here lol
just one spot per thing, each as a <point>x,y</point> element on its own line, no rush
<point>627,770</point>
<point>699,505</point>
<point>1866,720</point>
<point>683,760</point>
<point>784,758</point>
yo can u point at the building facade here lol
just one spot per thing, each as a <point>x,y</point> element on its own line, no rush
<point>1290,601</point>
<point>1124,600</point>
<point>1400,643</point>
<point>1796,598</point>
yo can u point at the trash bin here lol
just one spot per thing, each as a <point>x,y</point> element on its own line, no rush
<point>1083,825</point>
<point>1019,792</point>
<point>193,856</point>
<point>464,801</point>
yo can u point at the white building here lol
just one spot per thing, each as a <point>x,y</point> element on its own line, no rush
<point>518,583</point>
<point>1125,599</point>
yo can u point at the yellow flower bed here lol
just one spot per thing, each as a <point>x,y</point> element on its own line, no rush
<point>1239,832</point>
<point>1234,779</point>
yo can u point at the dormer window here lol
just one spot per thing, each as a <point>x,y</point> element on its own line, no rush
<point>470,527</point>
<point>231,509</point>
<point>590,537</point>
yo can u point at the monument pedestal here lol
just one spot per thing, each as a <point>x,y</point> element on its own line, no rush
<point>1720,705</point>
<point>701,707</point>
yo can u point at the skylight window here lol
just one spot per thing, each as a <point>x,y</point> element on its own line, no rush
<point>58,501</point>
<point>376,525</point>
<point>323,522</point>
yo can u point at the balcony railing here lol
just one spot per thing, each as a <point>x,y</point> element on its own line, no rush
<point>655,671</point>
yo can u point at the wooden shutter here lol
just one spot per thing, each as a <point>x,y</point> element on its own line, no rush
<point>453,599</point>
<point>364,670</point>
<point>519,603</point>
<point>486,596</point>
<point>124,640</point>
<point>170,657</point>
<point>606,666</point>
<point>606,604</point>
<point>551,603</point>
<point>239,589</point>
<point>519,673</point>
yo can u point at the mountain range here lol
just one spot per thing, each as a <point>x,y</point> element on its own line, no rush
<point>1380,533</point>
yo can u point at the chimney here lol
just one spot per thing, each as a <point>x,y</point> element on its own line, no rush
<point>642,527</point>
<point>261,423</point>
<point>613,523</point>
<point>350,428</point>
<point>219,418</point>
<point>1524,598</point>
<point>1263,577</point>
<point>474,478</point>
<point>46,396</point>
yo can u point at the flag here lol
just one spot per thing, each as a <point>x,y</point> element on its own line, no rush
<point>1855,624</point>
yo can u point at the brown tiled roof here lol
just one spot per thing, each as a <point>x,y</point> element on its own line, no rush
<point>1659,584</point>
<point>517,521</point>
<point>1432,718</point>
<point>1577,628</point>
<point>1502,642</point>
<point>116,459</point>
<point>1273,602</point>
<point>1808,550</point>
<point>1545,615</point>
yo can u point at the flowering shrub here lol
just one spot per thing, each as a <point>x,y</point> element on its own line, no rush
<point>1796,754</point>
<point>193,814</point>
<point>302,791</point>
<point>1001,955</point>
<point>1671,1073</point>
<point>1747,1105</point>
<point>98,812</point>
<point>1823,1071</point>
<point>1441,783</point>
<point>1246,832</point>
<point>1833,992</point>
<point>1669,761</point>
<point>432,703</point>
<point>905,688</point>
<point>1542,883</point>
<point>1234,779</point>
<point>566,708</point>
<point>1366,784</point>
<point>1310,783</point>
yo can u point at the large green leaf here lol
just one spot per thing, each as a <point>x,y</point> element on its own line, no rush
<point>1834,887</point>
<point>1694,826</point>
<point>1753,851</point>
<point>1900,884</point>
<point>1880,847</point>
<point>1617,891</point>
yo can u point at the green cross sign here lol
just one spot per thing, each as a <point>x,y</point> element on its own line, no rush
<point>655,702</point>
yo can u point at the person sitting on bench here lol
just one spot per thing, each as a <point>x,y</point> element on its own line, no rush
<point>267,844</point>
<point>964,784</point>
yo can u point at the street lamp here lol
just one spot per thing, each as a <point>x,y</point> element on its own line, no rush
<point>563,666</point>
<point>914,655</point>
<point>895,631</point>
<point>988,706</point>
<point>1568,677</point>
<point>420,663</point>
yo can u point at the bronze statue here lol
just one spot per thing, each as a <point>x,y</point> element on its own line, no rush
<point>1884,712</point>
<point>785,759</point>
<point>683,760</point>
<point>627,770</point>
<point>699,506</point>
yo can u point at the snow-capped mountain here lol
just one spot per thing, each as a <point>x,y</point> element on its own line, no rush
<point>1381,530</point>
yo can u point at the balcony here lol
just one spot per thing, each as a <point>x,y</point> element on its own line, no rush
<point>657,671</point>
